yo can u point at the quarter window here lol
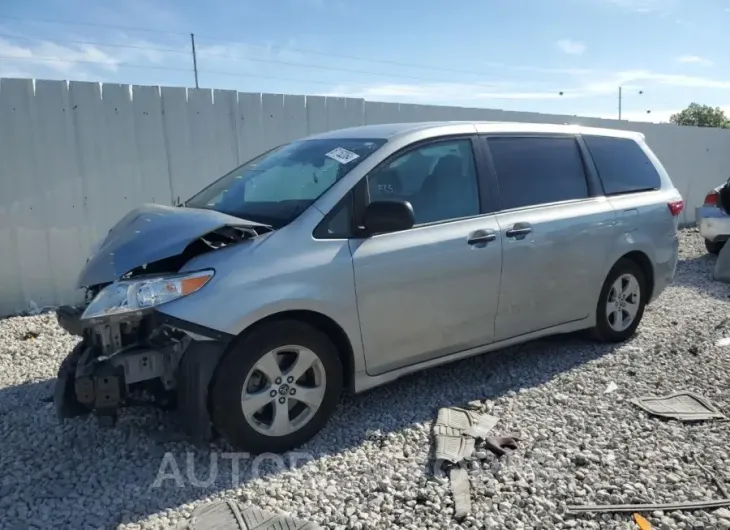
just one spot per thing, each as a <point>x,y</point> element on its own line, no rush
<point>438,179</point>
<point>622,165</point>
<point>537,170</point>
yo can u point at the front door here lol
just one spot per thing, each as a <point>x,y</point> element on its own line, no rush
<point>432,290</point>
<point>556,233</point>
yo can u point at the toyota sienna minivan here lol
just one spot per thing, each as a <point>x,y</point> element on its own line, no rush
<point>348,259</point>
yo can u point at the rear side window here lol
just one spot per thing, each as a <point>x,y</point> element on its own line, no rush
<point>535,170</point>
<point>622,165</point>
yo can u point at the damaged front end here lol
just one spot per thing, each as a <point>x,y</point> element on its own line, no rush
<point>130,353</point>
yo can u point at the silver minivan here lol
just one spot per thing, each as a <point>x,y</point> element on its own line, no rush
<point>348,259</point>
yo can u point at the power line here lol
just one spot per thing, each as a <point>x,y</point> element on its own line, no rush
<point>584,97</point>
<point>94,43</point>
<point>187,70</point>
<point>230,74</point>
<point>239,57</point>
<point>267,77</point>
<point>339,69</point>
<point>91,24</point>
<point>101,63</point>
<point>350,57</point>
<point>250,59</point>
<point>287,48</point>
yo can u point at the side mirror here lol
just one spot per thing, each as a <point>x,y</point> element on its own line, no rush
<point>388,216</point>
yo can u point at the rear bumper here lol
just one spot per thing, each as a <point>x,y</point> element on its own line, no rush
<point>713,223</point>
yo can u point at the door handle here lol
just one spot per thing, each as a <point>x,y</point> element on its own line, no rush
<point>481,237</point>
<point>519,230</point>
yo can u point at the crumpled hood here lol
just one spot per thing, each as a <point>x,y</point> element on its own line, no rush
<point>150,233</point>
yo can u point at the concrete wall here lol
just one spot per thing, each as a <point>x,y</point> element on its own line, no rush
<point>74,157</point>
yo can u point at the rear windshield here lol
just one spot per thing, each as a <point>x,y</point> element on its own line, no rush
<point>277,186</point>
<point>622,165</point>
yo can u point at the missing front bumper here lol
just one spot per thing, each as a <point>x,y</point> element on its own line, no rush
<point>179,374</point>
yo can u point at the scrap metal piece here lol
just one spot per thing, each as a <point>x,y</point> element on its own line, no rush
<point>229,515</point>
<point>712,477</point>
<point>665,507</point>
<point>460,491</point>
<point>682,406</point>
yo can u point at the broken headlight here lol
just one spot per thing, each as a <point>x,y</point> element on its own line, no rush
<point>131,296</point>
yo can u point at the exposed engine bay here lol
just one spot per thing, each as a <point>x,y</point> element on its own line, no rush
<point>132,354</point>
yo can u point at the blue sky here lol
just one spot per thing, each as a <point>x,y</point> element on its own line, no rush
<point>509,54</point>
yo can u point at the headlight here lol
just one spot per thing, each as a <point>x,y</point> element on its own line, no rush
<point>131,296</point>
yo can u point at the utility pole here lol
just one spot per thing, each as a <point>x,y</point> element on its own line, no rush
<point>619,102</point>
<point>195,60</point>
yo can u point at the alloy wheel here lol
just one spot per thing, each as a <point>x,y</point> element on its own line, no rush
<point>623,302</point>
<point>283,390</point>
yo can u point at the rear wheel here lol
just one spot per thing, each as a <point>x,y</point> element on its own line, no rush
<point>277,388</point>
<point>621,303</point>
<point>714,247</point>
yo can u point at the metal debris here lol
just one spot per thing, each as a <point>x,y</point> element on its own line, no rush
<point>665,507</point>
<point>682,406</point>
<point>460,491</point>
<point>720,486</point>
<point>229,515</point>
<point>688,506</point>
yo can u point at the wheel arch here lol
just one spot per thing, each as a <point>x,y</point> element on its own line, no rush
<point>645,264</point>
<point>321,322</point>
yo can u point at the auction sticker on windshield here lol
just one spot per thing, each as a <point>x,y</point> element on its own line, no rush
<point>342,155</point>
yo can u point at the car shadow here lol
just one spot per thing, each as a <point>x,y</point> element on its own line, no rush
<point>142,466</point>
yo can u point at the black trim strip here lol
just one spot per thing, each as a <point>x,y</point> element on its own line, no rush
<point>165,319</point>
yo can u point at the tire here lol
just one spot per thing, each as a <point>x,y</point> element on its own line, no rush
<point>607,329</point>
<point>64,394</point>
<point>714,247</point>
<point>244,367</point>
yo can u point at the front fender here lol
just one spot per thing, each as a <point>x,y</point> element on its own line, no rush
<point>247,290</point>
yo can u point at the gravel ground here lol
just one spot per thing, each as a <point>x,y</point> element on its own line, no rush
<point>369,468</point>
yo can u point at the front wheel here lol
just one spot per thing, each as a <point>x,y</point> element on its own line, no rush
<point>621,303</point>
<point>276,388</point>
<point>714,247</point>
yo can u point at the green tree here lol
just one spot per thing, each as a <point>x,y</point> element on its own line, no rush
<point>701,116</point>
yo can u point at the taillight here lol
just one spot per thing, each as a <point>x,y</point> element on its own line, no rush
<point>676,207</point>
<point>712,198</point>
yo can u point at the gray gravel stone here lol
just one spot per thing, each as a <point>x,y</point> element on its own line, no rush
<point>369,468</point>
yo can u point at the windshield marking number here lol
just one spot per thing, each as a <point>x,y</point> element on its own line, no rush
<point>342,155</point>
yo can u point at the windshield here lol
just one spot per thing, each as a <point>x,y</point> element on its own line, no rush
<point>277,186</point>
